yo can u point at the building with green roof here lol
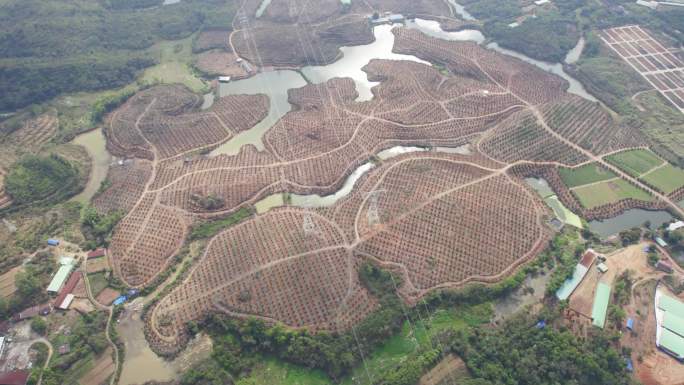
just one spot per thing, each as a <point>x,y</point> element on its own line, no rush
<point>600,308</point>
<point>674,323</point>
<point>671,305</point>
<point>672,343</point>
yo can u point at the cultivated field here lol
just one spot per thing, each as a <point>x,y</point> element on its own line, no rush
<point>440,220</point>
<point>649,168</point>
<point>657,64</point>
<point>7,286</point>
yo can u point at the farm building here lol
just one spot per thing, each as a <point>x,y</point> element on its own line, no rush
<point>2,345</point>
<point>62,301</point>
<point>600,307</point>
<point>60,278</point>
<point>661,242</point>
<point>101,252</point>
<point>578,275</point>
<point>670,331</point>
<point>15,377</point>
<point>52,242</point>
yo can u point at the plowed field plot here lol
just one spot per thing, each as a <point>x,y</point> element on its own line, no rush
<point>660,67</point>
<point>441,220</point>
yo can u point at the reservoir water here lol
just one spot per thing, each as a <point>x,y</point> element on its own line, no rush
<point>275,84</point>
<point>432,28</point>
<point>95,144</point>
<point>355,58</point>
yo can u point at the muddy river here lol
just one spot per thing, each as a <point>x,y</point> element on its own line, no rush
<point>95,144</point>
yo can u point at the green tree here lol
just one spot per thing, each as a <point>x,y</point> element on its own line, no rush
<point>39,325</point>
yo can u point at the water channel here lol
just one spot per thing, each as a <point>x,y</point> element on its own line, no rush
<point>315,200</point>
<point>262,7</point>
<point>458,8</point>
<point>95,144</point>
<point>555,68</point>
<point>575,53</point>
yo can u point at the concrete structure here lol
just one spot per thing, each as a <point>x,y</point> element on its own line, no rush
<point>60,278</point>
<point>600,307</point>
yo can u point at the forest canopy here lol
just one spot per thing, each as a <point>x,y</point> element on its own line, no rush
<point>36,178</point>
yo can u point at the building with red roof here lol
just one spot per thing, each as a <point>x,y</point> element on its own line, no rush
<point>101,252</point>
<point>67,289</point>
<point>15,377</point>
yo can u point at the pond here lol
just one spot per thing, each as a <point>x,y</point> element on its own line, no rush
<point>629,219</point>
<point>95,144</point>
<point>355,58</point>
<point>541,186</point>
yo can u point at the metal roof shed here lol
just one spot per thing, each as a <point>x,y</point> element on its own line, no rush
<point>672,343</point>
<point>60,278</point>
<point>674,323</point>
<point>600,307</point>
<point>571,284</point>
<point>669,304</point>
<point>630,323</point>
<point>661,242</point>
<point>52,242</point>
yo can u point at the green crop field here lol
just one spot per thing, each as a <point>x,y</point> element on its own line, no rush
<point>590,173</point>
<point>613,191</point>
<point>666,179</point>
<point>635,162</point>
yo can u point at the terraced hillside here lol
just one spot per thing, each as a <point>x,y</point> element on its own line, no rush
<point>440,219</point>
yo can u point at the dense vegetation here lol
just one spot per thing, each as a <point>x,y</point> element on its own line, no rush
<point>520,353</point>
<point>547,37</point>
<point>51,47</point>
<point>97,228</point>
<point>35,178</point>
<point>30,285</point>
